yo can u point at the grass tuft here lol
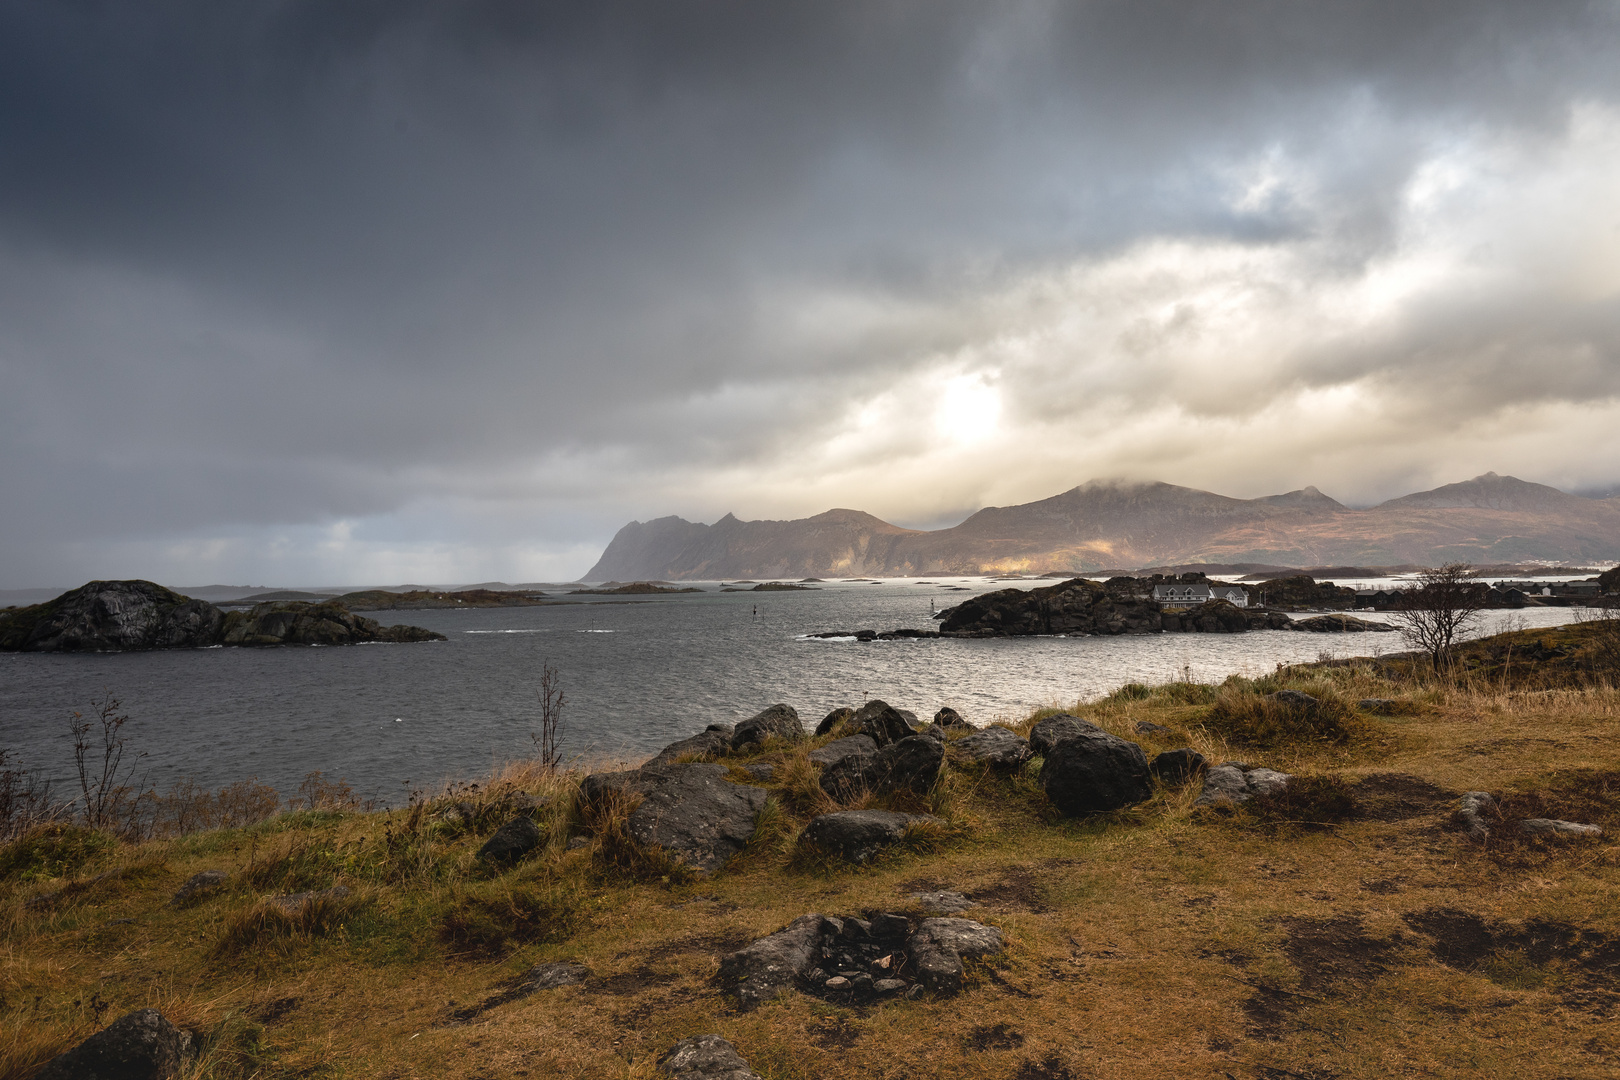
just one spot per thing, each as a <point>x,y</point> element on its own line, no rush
<point>52,851</point>
<point>1244,715</point>
<point>495,919</point>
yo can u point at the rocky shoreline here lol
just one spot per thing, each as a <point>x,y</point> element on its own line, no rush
<point>134,616</point>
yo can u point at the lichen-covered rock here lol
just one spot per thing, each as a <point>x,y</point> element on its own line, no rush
<point>141,1045</point>
<point>858,835</point>
<point>552,976</point>
<point>940,903</point>
<point>993,747</point>
<point>772,965</point>
<point>511,842</point>
<point>705,1057</point>
<point>712,742</point>
<point>1554,829</point>
<point>1477,811</point>
<point>1054,729</point>
<point>1094,771</point>
<point>692,812</point>
<point>939,947</point>
<point>778,721</point>
<point>913,763</point>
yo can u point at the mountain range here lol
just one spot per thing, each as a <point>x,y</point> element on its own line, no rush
<point>1108,524</point>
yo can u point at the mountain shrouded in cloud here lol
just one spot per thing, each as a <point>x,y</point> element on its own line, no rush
<point>1123,525</point>
<point>373,292</point>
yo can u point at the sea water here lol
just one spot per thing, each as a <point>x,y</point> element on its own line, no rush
<point>638,673</point>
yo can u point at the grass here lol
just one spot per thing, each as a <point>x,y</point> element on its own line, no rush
<point>1341,929</point>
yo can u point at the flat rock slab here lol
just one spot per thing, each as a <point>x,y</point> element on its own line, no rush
<point>141,1045</point>
<point>993,747</point>
<point>858,835</point>
<point>839,749</point>
<point>198,885</point>
<point>1558,830</point>
<point>552,976</point>
<point>695,814</point>
<point>940,946</point>
<point>705,1057</point>
<point>941,903</point>
<point>773,965</point>
<point>1233,784</point>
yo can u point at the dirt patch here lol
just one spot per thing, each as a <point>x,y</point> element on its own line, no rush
<point>835,1033</point>
<point>1400,797</point>
<point>1585,962</point>
<point>1019,889</point>
<point>993,1037</point>
<point>1382,887</point>
<point>717,944</point>
<point>633,981</point>
<point>271,1011</point>
<point>1328,954</point>
<point>1587,795</point>
<point>1050,1067</point>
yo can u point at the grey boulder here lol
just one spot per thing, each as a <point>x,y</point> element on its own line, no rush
<point>778,721</point>
<point>832,720</point>
<point>1094,771</point>
<point>552,976</point>
<point>941,903</point>
<point>948,717</point>
<point>881,721</point>
<point>711,742</point>
<point>511,842</point>
<point>913,763</point>
<point>705,1057</point>
<point>1477,811</point>
<point>1558,830</point>
<point>695,814</point>
<point>772,965</point>
<point>858,835</point>
<point>1233,784</point>
<point>839,749</point>
<point>940,946</point>
<point>141,1045</point>
<point>1054,729</point>
<point>993,747</point>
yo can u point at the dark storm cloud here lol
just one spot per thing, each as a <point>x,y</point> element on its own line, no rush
<point>283,264</point>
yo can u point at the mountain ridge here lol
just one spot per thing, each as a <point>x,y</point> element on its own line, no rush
<point>1111,523</point>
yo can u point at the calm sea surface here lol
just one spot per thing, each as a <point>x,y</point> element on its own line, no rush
<point>638,675</point>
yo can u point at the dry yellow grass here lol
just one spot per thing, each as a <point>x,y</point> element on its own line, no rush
<point>1154,942</point>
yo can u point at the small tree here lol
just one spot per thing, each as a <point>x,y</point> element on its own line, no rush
<point>548,739</point>
<point>98,755</point>
<point>1440,609</point>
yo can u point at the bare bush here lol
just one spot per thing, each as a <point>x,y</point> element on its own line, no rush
<point>25,800</point>
<point>548,739</point>
<point>1440,610</point>
<point>318,793</point>
<point>98,757</point>
<point>1602,624</point>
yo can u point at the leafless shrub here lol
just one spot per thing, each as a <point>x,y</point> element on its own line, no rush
<point>1440,610</point>
<point>1602,624</point>
<point>25,800</point>
<point>319,793</point>
<point>547,739</point>
<point>98,757</point>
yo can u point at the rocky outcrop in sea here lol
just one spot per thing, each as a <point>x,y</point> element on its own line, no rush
<point>130,616</point>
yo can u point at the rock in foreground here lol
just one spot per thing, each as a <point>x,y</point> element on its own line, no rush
<point>858,835</point>
<point>1093,771</point>
<point>692,812</point>
<point>1233,784</point>
<point>705,1057</point>
<point>141,1045</point>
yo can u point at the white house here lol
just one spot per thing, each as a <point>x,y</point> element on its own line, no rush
<point>1191,594</point>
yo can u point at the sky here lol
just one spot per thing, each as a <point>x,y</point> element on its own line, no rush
<point>301,292</point>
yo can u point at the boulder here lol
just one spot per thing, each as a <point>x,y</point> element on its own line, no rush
<point>1234,783</point>
<point>695,814</point>
<point>705,1057</point>
<point>909,717</point>
<point>712,742</point>
<point>772,965</point>
<point>760,771</point>
<point>1077,606</point>
<point>511,842</point>
<point>839,749</point>
<point>950,718</point>
<point>993,747</point>
<point>199,885</point>
<point>1477,811</point>
<point>1177,766</point>
<point>551,976</point>
<point>832,720</point>
<point>1093,771</point>
<point>912,763</point>
<point>1049,732</point>
<point>858,835</point>
<point>778,721</point>
<point>1148,727</point>
<point>141,1045</point>
<point>881,721</point>
<point>939,947</point>
<point>1558,830</point>
<point>1294,699</point>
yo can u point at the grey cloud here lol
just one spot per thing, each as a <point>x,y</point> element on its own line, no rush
<point>283,263</point>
